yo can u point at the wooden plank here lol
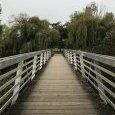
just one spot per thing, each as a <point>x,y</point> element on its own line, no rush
<point>56,107</point>
<point>75,111</point>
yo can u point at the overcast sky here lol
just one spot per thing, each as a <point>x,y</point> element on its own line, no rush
<point>52,10</point>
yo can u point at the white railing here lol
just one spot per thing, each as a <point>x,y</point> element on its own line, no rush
<point>16,72</point>
<point>98,70</point>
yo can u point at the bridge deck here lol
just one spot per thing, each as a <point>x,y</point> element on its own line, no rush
<point>57,92</point>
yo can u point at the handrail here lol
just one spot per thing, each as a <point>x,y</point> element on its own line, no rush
<point>99,70</point>
<point>16,72</point>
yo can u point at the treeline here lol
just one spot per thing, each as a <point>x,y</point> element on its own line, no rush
<point>27,34</point>
<point>88,30</point>
<point>92,31</point>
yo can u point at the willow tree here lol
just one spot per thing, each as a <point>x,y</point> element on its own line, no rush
<point>27,34</point>
<point>88,30</point>
<point>83,27</point>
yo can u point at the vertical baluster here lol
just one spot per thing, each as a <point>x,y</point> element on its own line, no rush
<point>82,64</point>
<point>75,63</point>
<point>50,54</point>
<point>101,81</point>
<point>71,58</point>
<point>66,53</point>
<point>68,57</point>
<point>44,58</point>
<point>47,55</point>
<point>34,67</point>
<point>41,61</point>
<point>19,75</point>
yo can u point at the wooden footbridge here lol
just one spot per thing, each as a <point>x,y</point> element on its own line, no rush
<point>72,83</point>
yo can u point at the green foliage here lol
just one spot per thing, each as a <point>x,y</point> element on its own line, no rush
<point>54,38</point>
<point>27,34</point>
<point>62,29</point>
<point>88,30</point>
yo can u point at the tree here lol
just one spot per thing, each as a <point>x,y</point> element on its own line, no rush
<point>87,30</point>
<point>62,29</point>
<point>27,34</point>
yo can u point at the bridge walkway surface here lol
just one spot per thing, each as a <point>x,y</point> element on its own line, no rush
<point>58,91</point>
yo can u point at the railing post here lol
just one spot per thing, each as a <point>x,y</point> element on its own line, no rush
<point>101,81</point>
<point>34,67</point>
<point>75,63</point>
<point>71,57</point>
<point>82,64</point>
<point>41,61</point>
<point>68,57</point>
<point>66,53</point>
<point>47,55</point>
<point>19,74</point>
<point>44,60</point>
